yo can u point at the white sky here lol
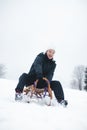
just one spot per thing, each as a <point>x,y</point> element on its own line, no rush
<point>27,27</point>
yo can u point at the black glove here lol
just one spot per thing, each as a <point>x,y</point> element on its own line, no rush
<point>41,83</point>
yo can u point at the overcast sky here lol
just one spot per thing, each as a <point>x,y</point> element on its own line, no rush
<point>28,27</point>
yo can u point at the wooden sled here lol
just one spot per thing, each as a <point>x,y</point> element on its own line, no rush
<point>32,91</point>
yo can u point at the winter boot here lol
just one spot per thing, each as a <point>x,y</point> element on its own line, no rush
<point>18,96</point>
<point>64,103</point>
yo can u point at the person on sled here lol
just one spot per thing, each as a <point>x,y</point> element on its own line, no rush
<point>43,66</point>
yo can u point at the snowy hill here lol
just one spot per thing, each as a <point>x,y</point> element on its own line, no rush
<point>32,116</point>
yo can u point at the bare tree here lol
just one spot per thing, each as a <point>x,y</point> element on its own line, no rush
<point>78,75</point>
<point>85,79</point>
<point>74,84</point>
<point>2,70</point>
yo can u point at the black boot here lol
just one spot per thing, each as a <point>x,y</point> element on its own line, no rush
<point>64,103</point>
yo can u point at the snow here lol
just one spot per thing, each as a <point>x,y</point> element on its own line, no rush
<point>31,116</point>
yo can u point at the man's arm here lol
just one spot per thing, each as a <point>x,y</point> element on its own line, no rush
<point>38,66</point>
<point>51,73</point>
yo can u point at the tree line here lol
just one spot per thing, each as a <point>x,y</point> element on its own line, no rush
<point>2,70</point>
<point>79,80</point>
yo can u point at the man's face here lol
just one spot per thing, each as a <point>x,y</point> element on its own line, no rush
<point>50,53</point>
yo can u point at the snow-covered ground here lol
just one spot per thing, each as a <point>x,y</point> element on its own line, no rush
<point>34,116</point>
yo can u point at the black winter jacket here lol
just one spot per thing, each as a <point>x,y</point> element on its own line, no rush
<point>42,67</point>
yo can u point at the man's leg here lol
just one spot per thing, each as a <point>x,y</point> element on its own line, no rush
<point>58,90</point>
<point>20,86</point>
<point>22,82</point>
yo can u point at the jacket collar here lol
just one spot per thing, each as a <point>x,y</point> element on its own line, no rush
<point>47,59</point>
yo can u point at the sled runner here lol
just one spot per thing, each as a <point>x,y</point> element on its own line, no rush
<point>32,91</point>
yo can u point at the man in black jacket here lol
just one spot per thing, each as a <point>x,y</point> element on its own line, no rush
<point>43,66</point>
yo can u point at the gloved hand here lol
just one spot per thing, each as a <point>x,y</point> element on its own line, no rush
<point>41,83</point>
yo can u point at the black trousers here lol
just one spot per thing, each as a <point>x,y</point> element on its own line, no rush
<point>26,80</point>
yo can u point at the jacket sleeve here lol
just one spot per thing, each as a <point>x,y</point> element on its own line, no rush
<point>38,66</point>
<point>49,76</point>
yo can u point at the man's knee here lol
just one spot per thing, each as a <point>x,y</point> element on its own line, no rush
<point>23,76</point>
<point>55,83</point>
